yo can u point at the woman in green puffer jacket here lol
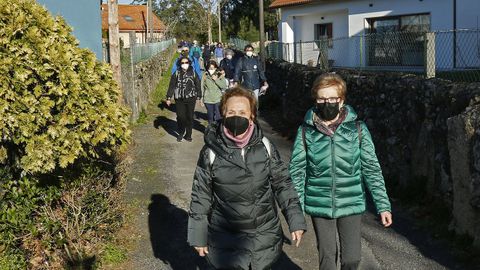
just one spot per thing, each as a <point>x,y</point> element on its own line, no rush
<point>332,163</point>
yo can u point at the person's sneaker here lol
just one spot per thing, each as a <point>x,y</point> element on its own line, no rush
<point>188,139</point>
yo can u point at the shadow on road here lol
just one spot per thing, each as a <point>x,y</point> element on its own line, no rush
<point>168,235</point>
<point>284,263</point>
<point>170,126</point>
<point>162,105</point>
<point>201,116</point>
<point>167,124</point>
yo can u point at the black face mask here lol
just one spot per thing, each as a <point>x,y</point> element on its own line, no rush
<point>236,124</point>
<point>327,111</point>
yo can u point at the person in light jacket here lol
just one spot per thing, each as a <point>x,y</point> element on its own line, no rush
<point>332,165</point>
<point>213,86</point>
<point>238,182</point>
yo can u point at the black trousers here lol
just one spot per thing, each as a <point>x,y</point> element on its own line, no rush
<point>349,232</point>
<point>185,109</point>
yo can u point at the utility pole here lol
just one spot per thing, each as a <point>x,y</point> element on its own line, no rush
<point>209,21</point>
<point>262,32</point>
<point>150,20</point>
<point>114,44</point>
<point>219,21</point>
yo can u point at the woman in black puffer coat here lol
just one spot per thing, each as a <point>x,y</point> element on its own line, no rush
<point>239,176</point>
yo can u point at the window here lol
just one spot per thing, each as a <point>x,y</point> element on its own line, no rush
<point>128,18</point>
<point>323,34</point>
<point>397,40</point>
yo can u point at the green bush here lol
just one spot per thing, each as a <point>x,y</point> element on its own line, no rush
<point>52,226</point>
<point>57,102</point>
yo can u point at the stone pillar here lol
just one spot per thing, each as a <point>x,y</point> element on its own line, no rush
<point>429,55</point>
<point>464,150</point>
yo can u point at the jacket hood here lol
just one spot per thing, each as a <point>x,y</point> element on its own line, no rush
<point>351,115</point>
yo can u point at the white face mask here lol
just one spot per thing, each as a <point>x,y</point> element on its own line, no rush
<point>249,54</point>
<point>211,71</point>
<point>229,57</point>
<point>185,66</point>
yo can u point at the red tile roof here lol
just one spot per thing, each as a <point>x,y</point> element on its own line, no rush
<point>285,3</point>
<point>132,17</point>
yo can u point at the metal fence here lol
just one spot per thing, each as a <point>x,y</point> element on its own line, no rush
<point>142,52</point>
<point>447,54</point>
<point>138,52</point>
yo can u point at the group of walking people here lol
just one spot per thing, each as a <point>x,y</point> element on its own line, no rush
<point>240,178</point>
<point>189,85</point>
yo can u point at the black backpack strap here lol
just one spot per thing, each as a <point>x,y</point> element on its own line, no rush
<point>359,129</point>
<point>303,138</point>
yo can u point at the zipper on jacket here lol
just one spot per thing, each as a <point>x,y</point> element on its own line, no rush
<point>333,172</point>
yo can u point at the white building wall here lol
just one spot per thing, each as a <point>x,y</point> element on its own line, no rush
<point>355,13</point>
<point>468,42</point>
<point>468,14</point>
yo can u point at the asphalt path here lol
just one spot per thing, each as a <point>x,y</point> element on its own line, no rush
<point>159,186</point>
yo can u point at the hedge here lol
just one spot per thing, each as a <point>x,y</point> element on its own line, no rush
<point>57,102</point>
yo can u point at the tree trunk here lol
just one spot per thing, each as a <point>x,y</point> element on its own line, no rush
<point>209,22</point>
<point>114,44</point>
<point>219,22</point>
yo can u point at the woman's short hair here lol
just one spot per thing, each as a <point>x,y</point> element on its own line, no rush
<point>212,63</point>
<point>248,46</point>
<point>327,80</point>
<point>183,58</point>
<point>239,91</point>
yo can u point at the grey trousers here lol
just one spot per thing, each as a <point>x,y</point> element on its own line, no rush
<point>349,232</point>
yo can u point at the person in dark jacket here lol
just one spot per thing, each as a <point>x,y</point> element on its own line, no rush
<point>227,65</point>
<point>239,178</point>
<point>206,55</point>
<point>249,72</point>
<point>332,163</point>
<point>185,88</point>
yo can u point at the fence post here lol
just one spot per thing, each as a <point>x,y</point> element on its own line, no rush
<point>294,52</point>
<point>301,53</point>
<point>429,54</point>
<point>361,51</point>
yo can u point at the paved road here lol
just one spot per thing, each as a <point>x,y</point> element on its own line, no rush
<point>160,184</point>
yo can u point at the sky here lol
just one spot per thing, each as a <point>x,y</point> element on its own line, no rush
<point>124,1</point>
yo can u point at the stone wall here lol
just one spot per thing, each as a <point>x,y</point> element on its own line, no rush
<point>139,80</point>
<point>464,146</point>
<point>407,116</point>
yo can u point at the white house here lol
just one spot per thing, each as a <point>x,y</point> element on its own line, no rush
<point>381,32</point>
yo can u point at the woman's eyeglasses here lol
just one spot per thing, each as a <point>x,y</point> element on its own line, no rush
<point>328,100</point>
<point>184,62</point>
